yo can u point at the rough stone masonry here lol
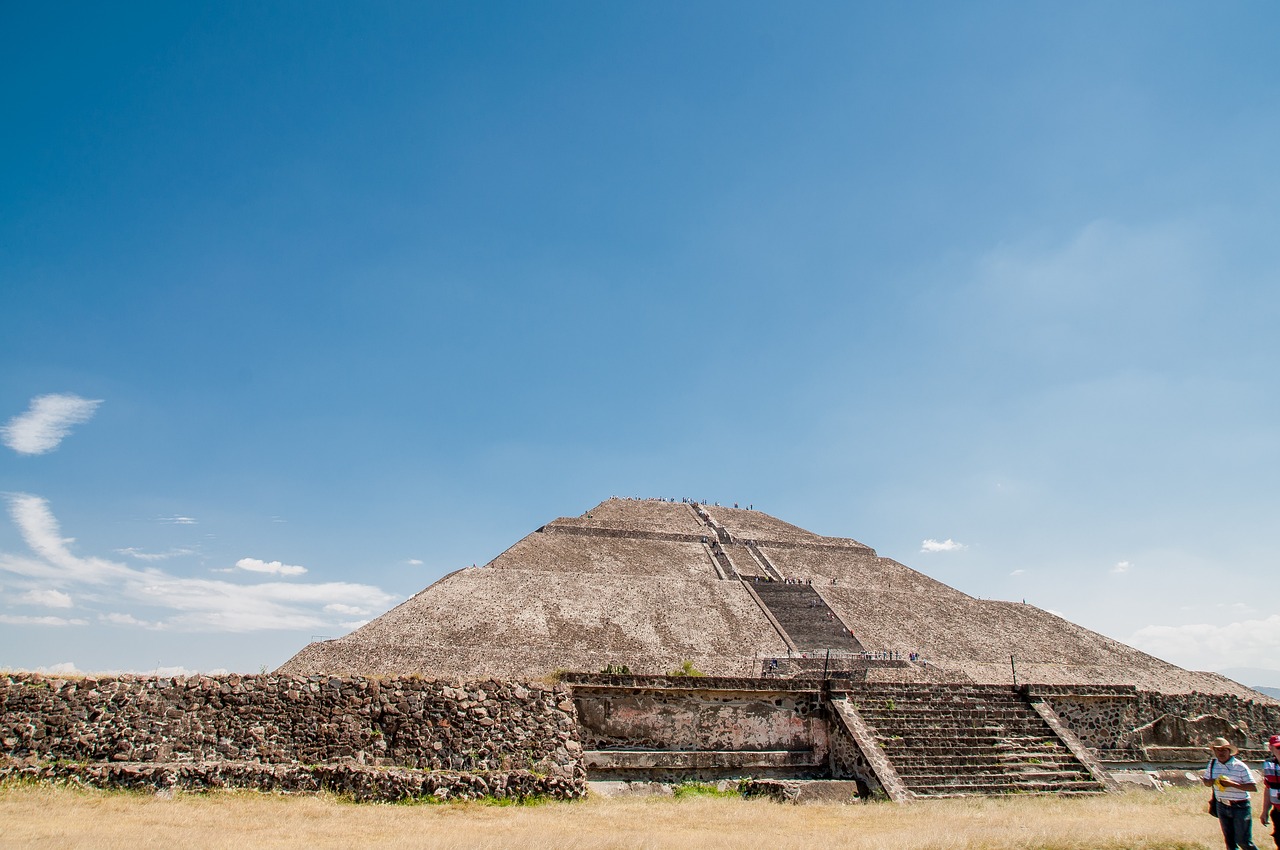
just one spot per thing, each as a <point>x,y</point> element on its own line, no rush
<point>382,739</point>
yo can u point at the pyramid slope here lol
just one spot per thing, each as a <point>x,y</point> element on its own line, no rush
<point>639,515</point>
<point>562,550</point>
<point>470,625</point>
<point>648,584</point>
<point>757,525</point>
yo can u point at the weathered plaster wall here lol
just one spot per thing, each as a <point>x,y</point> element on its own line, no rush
<point>702,714</point>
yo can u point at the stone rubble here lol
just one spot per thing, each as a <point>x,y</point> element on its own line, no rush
<point>370,738</point>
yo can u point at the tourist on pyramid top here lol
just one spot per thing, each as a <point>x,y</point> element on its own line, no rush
<point>1232,782</point>
<point>1271,789</point>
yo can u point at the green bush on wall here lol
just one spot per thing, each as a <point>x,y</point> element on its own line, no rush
<point>686,669</point>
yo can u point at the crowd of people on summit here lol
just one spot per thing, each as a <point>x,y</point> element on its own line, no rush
<point>684,500</point>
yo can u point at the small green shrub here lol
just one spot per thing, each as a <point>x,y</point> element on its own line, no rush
<point>686,669</point>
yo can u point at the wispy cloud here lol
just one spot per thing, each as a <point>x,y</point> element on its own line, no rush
<point>350,610</point>
<point>414,562</point>
<point>134,552</point>
<point>22,620</point>
<point>1121,567</point>
<point>46,422</point>
<point>117,618</point>
<point>1017,572</point>
<point>253,565</point>
<point>182,603</point>
<point>1211,646</point>
<point>47,597</point>
<point>947,545</point>
<point>177,520</point>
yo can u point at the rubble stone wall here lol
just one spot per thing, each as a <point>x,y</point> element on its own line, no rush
<point>1104,717</point>
<point>412,723</point>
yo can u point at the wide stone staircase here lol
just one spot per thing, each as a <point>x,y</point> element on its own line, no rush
<point>805,617</point>
<point>956,740</point>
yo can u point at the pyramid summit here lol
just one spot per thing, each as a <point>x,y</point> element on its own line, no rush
<point>650,584</point>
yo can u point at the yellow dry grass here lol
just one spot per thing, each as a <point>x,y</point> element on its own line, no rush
<point>42,816</point>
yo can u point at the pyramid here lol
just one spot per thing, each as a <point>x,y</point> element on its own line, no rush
<point>651,584</point>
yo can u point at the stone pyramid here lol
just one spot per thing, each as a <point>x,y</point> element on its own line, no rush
<point>652,584</point>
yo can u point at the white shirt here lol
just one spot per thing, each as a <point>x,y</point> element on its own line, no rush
<point>1236,771</point>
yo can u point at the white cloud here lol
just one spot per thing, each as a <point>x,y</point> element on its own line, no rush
<point>414,562</point>
<point>354,624</point>
<point>48,597</point>
<point>23,620</point>
<point>947,545</point>
<point>66,668</point>
<point>179,670</point>
<point>192,604</point>
<point>54,560</point>
<point>1121,567</point>
<point>46,422</point>
<point>350,610</point>
<point>116,618</point>
<point>134,552</point>
<point>1210,646</point>
<point>253,565</point>
<point>177,520</point>
<point>1017,572</point>
<point>1105,268</point>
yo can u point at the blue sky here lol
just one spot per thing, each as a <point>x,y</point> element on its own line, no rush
<point>373,290</point>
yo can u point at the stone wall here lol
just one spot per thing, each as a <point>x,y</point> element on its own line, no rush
<point>1105,718</point>
<point>493,728</point>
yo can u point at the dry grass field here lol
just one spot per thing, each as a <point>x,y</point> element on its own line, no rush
<point>34,816</point>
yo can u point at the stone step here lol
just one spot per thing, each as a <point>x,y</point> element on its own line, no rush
<point>935,777</point>
<point>990,751</point>
<point>917,699</point>
<point>956,723</point>
<point>913,709</point>
<point>1004,733</point>
<point>957,704</point>
<point>939,795</point>
<point>932,691</point>
<point>961,762</point>
<point>1013,780</point>
<point>963,736</point>
<point>956,789</point>
<point>803,615</point>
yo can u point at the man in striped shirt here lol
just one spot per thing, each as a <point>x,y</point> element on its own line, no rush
<point>1271,791</point>
<point>1232,782</point>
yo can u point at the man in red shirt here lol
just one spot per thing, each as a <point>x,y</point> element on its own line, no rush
<point>1271,790</point>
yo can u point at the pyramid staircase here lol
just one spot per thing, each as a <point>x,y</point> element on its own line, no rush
<point>806,618</point>
<point>959,740</point>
